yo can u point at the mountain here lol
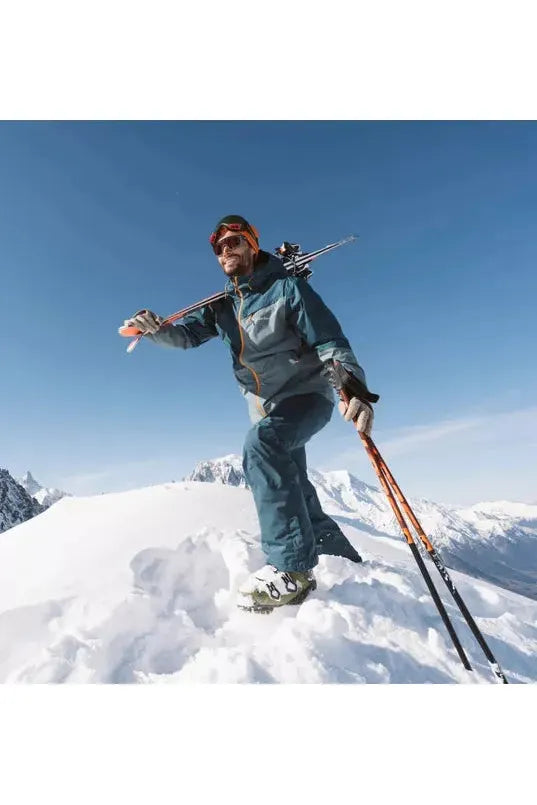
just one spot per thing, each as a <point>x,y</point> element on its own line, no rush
<point>493,541</point>
<point>140,586</point>
<point>227,470</point>
<point>16,505</point>
<point>29,483</point>
<point>46,496</point>
<point>504,547</point>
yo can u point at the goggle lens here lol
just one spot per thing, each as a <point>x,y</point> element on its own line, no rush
<point>231,242</point>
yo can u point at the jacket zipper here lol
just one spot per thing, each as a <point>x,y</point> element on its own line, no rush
<point>241,360</point>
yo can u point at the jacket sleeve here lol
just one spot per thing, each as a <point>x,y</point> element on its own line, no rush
<point>194,330</point>
<point>318,326</point>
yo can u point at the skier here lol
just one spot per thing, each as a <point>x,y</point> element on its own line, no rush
<point>283,340</point>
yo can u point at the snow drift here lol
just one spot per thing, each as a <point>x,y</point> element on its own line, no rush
<point>140,587</point>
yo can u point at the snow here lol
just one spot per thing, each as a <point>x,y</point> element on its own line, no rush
<point>495,541</point>
<point>140,587</point>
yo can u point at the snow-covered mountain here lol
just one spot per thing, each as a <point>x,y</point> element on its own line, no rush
<point>141,587</point>
<point>226,470</point>
<point>46,496</point>
<point>493,541</point>
<point>16,505</point>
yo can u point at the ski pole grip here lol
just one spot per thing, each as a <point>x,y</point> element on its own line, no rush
<point>347,384</point>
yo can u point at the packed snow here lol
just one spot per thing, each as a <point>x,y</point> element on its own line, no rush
<point>140,587</point>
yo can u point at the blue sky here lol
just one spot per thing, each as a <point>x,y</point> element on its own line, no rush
<point>437,297</point>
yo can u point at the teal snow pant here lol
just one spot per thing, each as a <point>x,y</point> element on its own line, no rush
<point>294,528</point>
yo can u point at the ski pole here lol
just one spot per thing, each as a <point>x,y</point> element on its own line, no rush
<point>494,665</point>
<point>415,552</point>
<point>339,377</point>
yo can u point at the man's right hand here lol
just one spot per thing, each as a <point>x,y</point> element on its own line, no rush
<point>359,412</point>
<point>145,321</point>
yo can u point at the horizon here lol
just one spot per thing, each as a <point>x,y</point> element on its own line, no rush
<point>435,297</point>
<point>231,457</point>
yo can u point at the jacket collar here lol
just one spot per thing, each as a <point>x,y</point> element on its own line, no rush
<point>267,269</point>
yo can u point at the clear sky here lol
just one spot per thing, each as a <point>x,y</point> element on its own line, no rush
<point>437,297</point>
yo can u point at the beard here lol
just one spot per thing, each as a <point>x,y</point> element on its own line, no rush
<point>238,265</point>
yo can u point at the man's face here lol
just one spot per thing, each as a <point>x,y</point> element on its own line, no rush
<point>236,256</point>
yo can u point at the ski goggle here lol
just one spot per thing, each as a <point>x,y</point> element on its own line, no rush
<point>232,227</point>
<point>232,241</point>
<point>249,233</point>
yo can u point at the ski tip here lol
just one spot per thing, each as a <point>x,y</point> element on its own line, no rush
<point>128,332</point>
<point>132,345</point>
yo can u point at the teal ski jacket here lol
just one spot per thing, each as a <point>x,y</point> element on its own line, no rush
<point>279,332</point>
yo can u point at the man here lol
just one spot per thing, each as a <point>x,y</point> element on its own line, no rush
<point>283,339</point>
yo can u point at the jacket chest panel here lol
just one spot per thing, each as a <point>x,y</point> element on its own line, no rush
<point>258,320</point>
<point>265,326</point>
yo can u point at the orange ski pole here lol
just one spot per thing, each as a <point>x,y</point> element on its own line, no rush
<point>340,377</point>
<point>414,548</point>
<point>495,667</point>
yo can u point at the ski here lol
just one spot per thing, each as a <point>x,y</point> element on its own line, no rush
<point>295,261</point>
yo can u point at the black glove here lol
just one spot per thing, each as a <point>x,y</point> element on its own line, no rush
<point>341,379</point>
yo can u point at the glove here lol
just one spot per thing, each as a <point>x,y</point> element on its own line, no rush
<point>360,411</point>
<point>145,321</point>
<point>359,408</point>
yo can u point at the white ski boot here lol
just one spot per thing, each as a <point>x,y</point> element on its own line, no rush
<point>268,588</point>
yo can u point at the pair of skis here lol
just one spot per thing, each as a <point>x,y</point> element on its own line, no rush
<point>294,261</point>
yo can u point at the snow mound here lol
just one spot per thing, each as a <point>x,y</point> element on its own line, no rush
<point>140,587</point>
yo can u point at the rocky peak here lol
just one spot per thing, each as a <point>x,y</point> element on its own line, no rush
<point>29,483</point>
<point>46,496</point>
<point>16,504</point>
<point>226,470</point>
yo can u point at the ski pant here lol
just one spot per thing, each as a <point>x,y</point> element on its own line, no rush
<point>294,528</point>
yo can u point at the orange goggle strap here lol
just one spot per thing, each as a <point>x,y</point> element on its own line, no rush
<point>251,237</point>
<point>249,233</point>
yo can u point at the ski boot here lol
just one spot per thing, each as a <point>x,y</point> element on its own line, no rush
<point>268,588</point>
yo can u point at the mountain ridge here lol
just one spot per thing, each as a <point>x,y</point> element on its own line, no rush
<point>494,540</point>
<point>16,504</point>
